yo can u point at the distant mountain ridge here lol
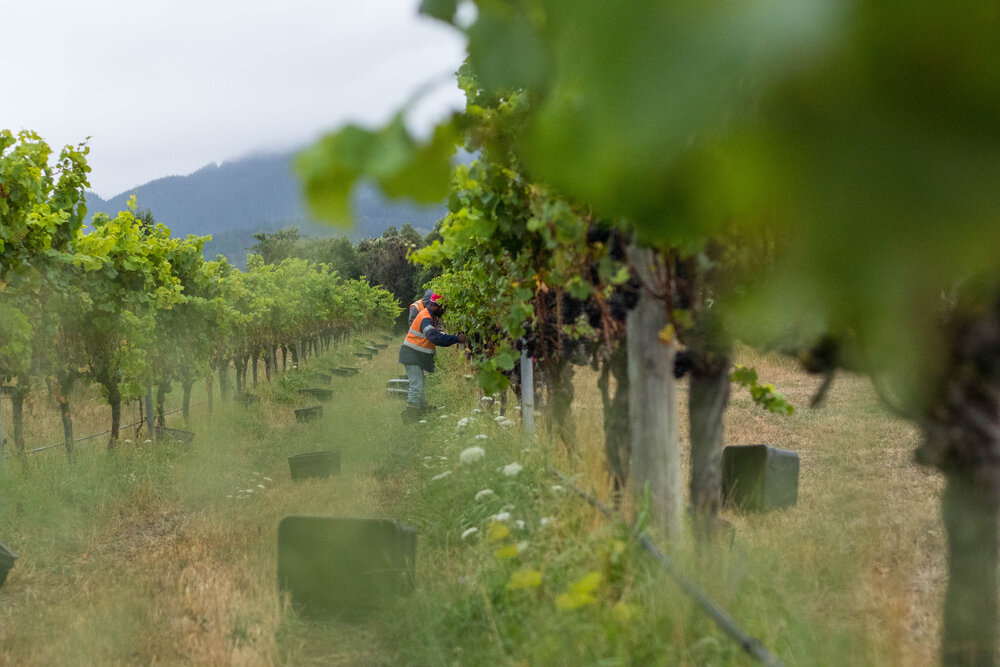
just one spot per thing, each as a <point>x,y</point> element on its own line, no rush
<point>235,199</point>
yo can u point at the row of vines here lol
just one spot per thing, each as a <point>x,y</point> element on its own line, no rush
<point>656,182</point>
<point>121,303</point>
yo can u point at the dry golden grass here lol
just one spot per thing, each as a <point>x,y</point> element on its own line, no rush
<point>864,507</point>
<point>177,568</point>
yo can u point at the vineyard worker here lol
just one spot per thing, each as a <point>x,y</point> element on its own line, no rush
<point>419,305</point>
<point>417,353</point>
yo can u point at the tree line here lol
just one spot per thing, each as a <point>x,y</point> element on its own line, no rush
<point>384,260</point>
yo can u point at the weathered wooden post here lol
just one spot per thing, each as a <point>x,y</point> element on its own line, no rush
<point>655,460</point>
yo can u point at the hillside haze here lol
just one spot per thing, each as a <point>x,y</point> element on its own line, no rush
<point>235,199</point>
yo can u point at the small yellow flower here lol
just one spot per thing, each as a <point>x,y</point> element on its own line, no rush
<point>507,552</point>
<point>524,579</point>
<point>580,593</point>
<point>498,531</point>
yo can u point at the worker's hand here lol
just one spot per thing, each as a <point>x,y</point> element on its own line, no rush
<point>462,339</point>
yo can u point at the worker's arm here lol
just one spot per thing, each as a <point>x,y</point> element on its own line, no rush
<point>438,337</point>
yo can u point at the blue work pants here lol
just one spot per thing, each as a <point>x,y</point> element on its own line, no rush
<point>416,397</point>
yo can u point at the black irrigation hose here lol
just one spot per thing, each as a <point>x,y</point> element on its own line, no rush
<point>752,646</point>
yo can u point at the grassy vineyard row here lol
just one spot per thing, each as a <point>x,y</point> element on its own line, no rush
<point>169,555</point>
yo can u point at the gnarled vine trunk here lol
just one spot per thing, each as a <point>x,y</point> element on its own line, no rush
<point>186,400</point>
<point>560,404</point>
<point>20,393</point>
<point>62,388</point>
<point>617,432</point>
<point>962,439</point>
<point>224,379</point>
<point>708,397</point>
<point>115,401</point>
<point>162,389</point>
<point>969,507</point>
<point>209,391</point>
<point>241,374</point>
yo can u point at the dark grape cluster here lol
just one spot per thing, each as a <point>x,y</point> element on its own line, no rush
<point>623,299</point>
<point>571,308</point>
<point>597,234</point>
<point>593,311</point>
<point>529,344</point>
<point>616,248</point>
<point>683,361</point>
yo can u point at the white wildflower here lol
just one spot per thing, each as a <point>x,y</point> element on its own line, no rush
<point>428,458</point>
<point>442,458</point>
<point>499,418</point>
<point>247,490</point>
<point>422,421</point>
<point>544,521</point>
<point>485,493</point>
<point>502,516</point>
<point>486,400</point>
<point>507,423</point>
<point>261,486</point>
<point>467,376</point>
<point>128,441</point>
<point>469,531</point>
<point>463,422</point>
<point>557,488</point>
<point>477,411</point>
<point>520,524</point>
<point>512,469</point>
<point>444,416</point>
<point>147,441</point>
<point>522,546</point>
<point>269,479</point>
<point>481,436</point>
<point>441,476</point>
<point>472,455</point>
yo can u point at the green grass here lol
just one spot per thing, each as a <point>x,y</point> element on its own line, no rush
<point>159,554</point>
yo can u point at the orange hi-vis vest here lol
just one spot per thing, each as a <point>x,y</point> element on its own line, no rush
<point>417,340</point>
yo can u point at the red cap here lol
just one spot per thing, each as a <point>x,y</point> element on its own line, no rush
<point>435,298</point>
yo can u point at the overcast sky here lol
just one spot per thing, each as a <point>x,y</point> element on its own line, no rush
<point>168,86</point>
